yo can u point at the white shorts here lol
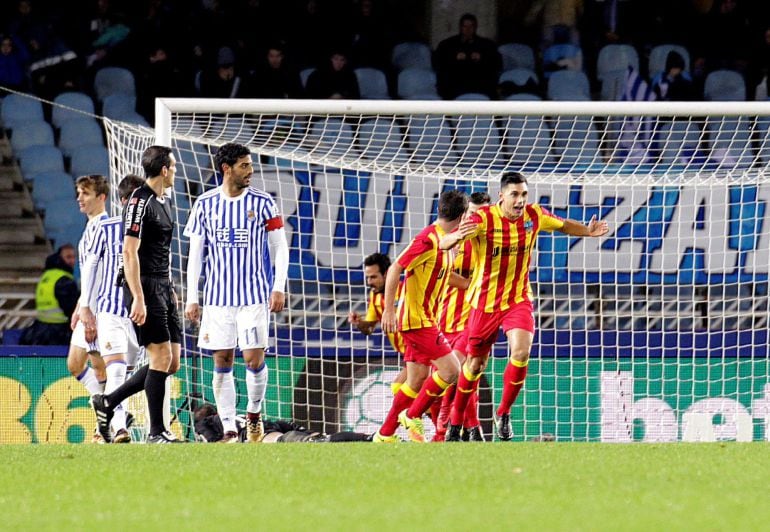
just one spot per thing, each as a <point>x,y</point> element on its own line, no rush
<point>79,339</point>
<point>117,337</point>
<point>228,327</point>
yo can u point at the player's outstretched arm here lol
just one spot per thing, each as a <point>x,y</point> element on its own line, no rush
<point>595,228</point>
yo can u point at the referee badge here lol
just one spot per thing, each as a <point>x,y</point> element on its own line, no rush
<point>250,215</point>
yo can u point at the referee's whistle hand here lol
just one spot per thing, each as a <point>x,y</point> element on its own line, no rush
<point>138,312</point>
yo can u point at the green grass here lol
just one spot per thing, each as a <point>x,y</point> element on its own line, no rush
<point>518,486</point>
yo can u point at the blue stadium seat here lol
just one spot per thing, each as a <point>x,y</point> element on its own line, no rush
<point>615,58</point>
<point>19,109</point>
<point>575,141</point>
<point>430,140</point>
<point>516,55</point>
<point>75,100</point>
<point>569,85</point>
<point>304,74</point>
<point>558,57</point>
<point>332,136</point>
<point>477,141</point>
<point>658,55</point>
<point>519,76</point>
<point>678,143</point>
<point>63,221</point>
<point>50,186</point>
<point>527,140</point>
<point>411,55</point>
<point>725,86</point>
<point>135,118</point>
<point>109,80</point>
<point>78,132</point>
<point>413,81</point>
<point>90,159</point>
<point>33,133</point>
<point>372,84</point>
<point>36,159</point>
<point>729,142</point>
<point>381,139</point>
<point>524,96</point>
<point>119,105</point>
<point>473,97</point>
<point>763,140</point>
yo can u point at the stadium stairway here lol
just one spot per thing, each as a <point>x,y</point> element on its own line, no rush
<point>23,246</point>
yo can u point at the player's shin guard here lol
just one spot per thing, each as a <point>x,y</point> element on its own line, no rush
<point>134,384</point>
<point>116,376</point>
<point>155,388</point>
<point>467,384</point>
<point>88,379</point>
<point>225,398</point>
<point>431,389</point>
<point>404,397</point>
<point>256,386</point>
<point>513,381</point>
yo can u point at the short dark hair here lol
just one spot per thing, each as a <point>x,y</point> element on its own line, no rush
<point>229,154</point>
<point>154,159</point>
<point>512,178</point>
<point>480,198</point>
<point>128,184</point>
<point>96,182</point>
<point>469,16</point>
<point>379,259</point>
<point>452,204</point>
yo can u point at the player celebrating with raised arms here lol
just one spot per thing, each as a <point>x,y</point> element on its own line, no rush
<point>240,228</point>
<point>428,270</point>
<point>499,293</point>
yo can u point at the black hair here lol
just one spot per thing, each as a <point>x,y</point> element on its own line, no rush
<point>452,204</point>
<point>480,198</point>
<point>229,154</point>
<point>128,184</point>
<point>154,159</point>
<point>469,16</point>
<point>380,259</point>
<point>512,178</point>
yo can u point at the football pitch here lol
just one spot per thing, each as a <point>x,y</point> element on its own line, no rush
<point>311,486</point>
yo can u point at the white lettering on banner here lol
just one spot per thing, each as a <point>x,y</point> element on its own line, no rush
<point>712,419</point>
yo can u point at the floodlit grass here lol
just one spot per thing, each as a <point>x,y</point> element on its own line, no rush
<point>515,486</point>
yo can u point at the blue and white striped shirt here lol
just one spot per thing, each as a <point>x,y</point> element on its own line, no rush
<point>237,269</point>
<point>86,240</point>
<point>107,245</point>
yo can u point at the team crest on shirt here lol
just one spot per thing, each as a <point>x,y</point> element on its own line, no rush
<point>250,215</point>
<point>206,338</point>
<point>528,225</point>
<point>108,345</point>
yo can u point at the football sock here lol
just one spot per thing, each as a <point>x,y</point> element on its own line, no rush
<point>155,388</point>
<point>394,386</point>
<point>513,381</point>
<point>467,384</point>
<point>433,386</point>
<point>401,401</point>
<point>88,379</point>
<point>471,418</point>
<point>256,386</point>
<point>224,395</point>
<point>116,376</point>
<point>134,384</point>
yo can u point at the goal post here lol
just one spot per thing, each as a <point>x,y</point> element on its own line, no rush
<point>655,332</point>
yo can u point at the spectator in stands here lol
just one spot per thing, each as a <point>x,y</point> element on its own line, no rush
<point>466,62</point>
<point>223,81</point>
<point>274,77</point>
<point>13,63</point>
<point>674,83</point>
<point>368,38</point>
<point>159,77</point>
<point>553,14</point>
<point>562,54</point>
<point>335,79</point>
<point>722,37</point>
<point>56,297</point>
<point>760,66</point>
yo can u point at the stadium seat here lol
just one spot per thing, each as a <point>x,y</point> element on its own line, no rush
<point>430,139</point>
<point>51,186</point>
<point>558,57</point>
<point>658,55</point>
<point>524,96</point>
<point>575,141</point>
<point>729,142</point>
<point>90,159</point>
<point>119,105</point>
<point>78,132</point>
<point>614,58</point>
<point>762,129</point>
<point>473,97</point>
<point>678,143</point>
<point>569,85</point>
<point>516,55</point>
<point>381,139</point>
<point>36,159</point>
<point>135,118</point>
<point>527,140</point>
<point>413,81</point>
<point>110,80</point>
<point>304,74</point>
<point>19,109</point>
<point>372,84</point>
<point>63,222</point>
<point>519,76</point>
<point>75,100</point>
<point>411,55</point>
<point>33,133</point>
<point>477,141</point>
<point>332,136</point>
<point>725,86</point>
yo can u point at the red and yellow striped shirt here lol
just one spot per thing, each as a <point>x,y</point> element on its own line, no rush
<point>427,272</point>
<point>501,278</point>
<point>374,313</point>
<point>455,309</point>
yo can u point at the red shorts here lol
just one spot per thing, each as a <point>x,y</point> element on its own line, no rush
<point>425,345</point>
<point>458,340</point>
<point>483,326</point>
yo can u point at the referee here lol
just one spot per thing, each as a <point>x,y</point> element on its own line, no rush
<point>150,295</point>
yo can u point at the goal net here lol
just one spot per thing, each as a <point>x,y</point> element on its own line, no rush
<point>655,332</point>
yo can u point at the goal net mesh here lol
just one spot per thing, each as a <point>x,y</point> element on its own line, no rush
<point>656,332</point>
